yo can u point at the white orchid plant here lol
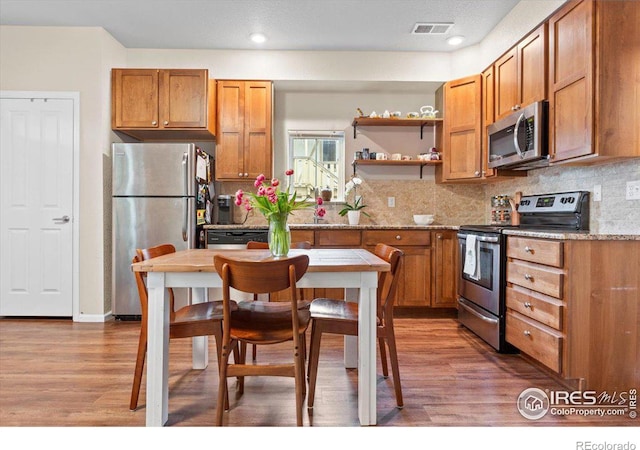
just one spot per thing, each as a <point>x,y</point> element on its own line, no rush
<point>357,205</point>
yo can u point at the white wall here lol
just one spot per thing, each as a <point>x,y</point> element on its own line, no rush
<point>74,59</point>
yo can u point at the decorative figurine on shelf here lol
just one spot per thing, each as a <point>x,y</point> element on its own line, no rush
<point>434,155</point>
<point>360,113</point>
<point>427,112</point>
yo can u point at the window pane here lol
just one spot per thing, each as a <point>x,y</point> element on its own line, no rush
<point>317,159</point>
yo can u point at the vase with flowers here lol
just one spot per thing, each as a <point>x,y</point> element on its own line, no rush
<point>353,210</point>
<point>276,205</point>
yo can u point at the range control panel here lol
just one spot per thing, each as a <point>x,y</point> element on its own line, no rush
<point>563,202</point>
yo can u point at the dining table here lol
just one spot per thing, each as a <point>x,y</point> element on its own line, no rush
<point>356,270</point>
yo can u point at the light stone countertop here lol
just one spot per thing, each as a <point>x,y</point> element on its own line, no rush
<point>525,233</point>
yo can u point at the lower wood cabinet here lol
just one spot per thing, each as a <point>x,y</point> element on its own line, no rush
<point>445,269</point>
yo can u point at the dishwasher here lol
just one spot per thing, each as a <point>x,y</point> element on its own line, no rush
<point>229,239</point>
<point>234,238</point>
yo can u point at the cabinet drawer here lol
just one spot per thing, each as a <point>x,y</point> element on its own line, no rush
<point>542,308</point>
<point>547,280</point>
<point>549,253</point>
<point>338,238</point>
<point>302,235</point>
<point>536,340</point>
<point>397,237</point>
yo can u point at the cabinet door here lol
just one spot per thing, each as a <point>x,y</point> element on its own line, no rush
<point>230,139</point>
<point>488,117</point>
<point>506,90</point>
<point>571,81</point>
<point>462,129</point>
<point>257,129</point>
<point>445,269</point>
<point>532,67</point>
<point>134,98</point>
<point>183,98</point>
<point>414,283</point>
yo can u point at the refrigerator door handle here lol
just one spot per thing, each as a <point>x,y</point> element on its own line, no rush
<point>185,217</point>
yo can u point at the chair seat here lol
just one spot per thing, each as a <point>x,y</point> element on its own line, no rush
<point>327,308</point>
<point>267,322</point>
<point>200,311</point>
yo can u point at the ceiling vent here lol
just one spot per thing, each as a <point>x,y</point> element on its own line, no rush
<point>432,28</point>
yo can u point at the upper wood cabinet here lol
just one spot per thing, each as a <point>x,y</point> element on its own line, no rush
<point>162,104</point>
<point>244,143</point>
<point>520,74</point>
<point>488,117</point>
<point>594,68</point>
<point>462,135</point>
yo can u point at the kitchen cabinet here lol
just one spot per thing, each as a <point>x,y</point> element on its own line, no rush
<point>414,283</point>
<point>535,301</point>
<point>520,74</point>
<point>572,308</point>
<point>163,104</point>
<point>445,269</point>
<point>462,135</point>
<point>593,81</point>
<point>488,117</point>
<point>244,147</point>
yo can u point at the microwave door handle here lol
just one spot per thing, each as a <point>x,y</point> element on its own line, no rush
<point>515,136</point>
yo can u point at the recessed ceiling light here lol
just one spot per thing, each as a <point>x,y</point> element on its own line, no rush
<point>455,40</point>
<point>258,38</point>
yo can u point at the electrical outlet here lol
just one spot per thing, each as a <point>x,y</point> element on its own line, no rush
<point>597,193</point>
<point>391,202</point>
<point>633,190</point>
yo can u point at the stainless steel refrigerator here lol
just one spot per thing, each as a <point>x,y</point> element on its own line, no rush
<point>154,202</point>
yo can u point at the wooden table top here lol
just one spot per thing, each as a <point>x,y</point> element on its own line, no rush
<point>320,260</point>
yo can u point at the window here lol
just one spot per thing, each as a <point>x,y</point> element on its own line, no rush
<point>317,159</point>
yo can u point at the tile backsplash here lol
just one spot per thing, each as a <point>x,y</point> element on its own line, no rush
<point>458,204</point>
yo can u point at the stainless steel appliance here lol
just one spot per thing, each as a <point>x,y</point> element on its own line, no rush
<point>154,202</point>
<point>482,250</point>
<point>520,140</point>
<point>225,210</point>
<point>234,238</point>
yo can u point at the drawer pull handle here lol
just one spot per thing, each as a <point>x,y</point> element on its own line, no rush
<point>527,333</point>
<point>398,237</point>
<point>528,277</point>
<point>527,305</point>
<point>528,249</point>
<point>154,123</point>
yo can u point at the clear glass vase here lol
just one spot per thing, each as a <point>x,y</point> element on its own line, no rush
<point>279,235</point>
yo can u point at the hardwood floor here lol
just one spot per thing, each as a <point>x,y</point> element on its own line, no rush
<point>59,373</point>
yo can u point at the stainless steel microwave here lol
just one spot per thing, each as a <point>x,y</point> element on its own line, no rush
<point>520,140</point>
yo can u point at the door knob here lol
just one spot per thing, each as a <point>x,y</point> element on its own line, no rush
<point>63,219</point>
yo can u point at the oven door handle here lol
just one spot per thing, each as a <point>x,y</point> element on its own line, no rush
<point>462,303</point>
<point>494,239</point>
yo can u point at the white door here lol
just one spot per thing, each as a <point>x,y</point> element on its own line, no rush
<point>36,190</point>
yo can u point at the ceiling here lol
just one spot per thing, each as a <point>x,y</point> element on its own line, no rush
<point>335,25</point>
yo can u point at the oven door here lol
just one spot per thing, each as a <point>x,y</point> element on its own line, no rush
<point>484,291</point>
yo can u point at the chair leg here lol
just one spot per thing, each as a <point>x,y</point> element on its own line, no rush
<point>222,384</point>
<point>254,351</point>
<point>243,360</point>
<point>218,338</point>
<point>383,358</point>
<point>137,374</point>
<point>314,356</point>
<point>393,355</point>
<point>301,387</point>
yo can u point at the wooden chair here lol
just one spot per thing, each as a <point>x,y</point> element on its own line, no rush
<point>200,319</point>
<point>340,317</point>
<point>257,245</point>
<point>259,322</point>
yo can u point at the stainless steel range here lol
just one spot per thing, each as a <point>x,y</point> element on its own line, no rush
<point>482,275</point>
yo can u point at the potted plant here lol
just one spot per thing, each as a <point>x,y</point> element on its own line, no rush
<point>352,211</point>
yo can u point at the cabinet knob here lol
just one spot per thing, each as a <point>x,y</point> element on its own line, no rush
<point>239,174</point>
<point>513,108</point>
<point>246,174</point>
<point>398,237</point>
<point>527,333</point>
<point>476,173</point>
<point>528,249</point>
<point>528,277</point>
<point>527,305</point>
<point>154,123</point>
<point>438,236</point>
<point>166,122</point>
